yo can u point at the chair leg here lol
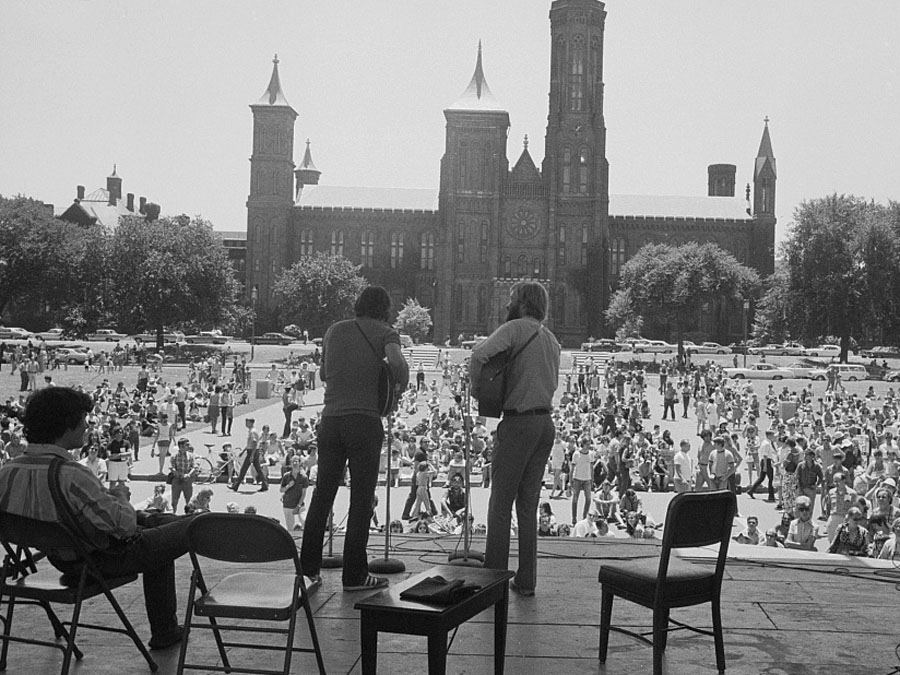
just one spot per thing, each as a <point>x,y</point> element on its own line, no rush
<point>132,633</point>
<point>312,633</point>
<point>660,624</point>
<point>73,627</point>
<point>717,635</point>
<point>606,603</point>
<point>7,629</point>
<point>292,627</point>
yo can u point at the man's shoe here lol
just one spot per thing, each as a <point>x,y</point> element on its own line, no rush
<point>168,639</point>
<point>233,486</point>
<point>750,494</point>
<point>370,583</point>
<point>524,592</point>
<point>264,488</point>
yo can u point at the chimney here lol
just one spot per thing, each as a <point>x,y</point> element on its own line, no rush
<point>130,204</point>
<point>114,187</point>
<point>152,211</point>
<point>721,180</point>
<point>79,192</point>
<point>143,206</point>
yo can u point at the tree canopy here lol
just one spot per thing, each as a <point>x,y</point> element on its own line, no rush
<point>666,287</point>
<point>413,320</point>
<point>318,290</point>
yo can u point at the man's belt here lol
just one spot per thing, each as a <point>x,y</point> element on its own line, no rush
<point>522,413</point>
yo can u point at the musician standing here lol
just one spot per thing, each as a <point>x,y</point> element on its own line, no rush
<point>351,431</point>
<point>525,434</point>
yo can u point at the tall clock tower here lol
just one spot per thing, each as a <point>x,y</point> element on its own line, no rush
<point>575,169</point>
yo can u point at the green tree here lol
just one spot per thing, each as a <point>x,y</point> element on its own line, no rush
<point>414,320</point>
<point>318,290</point>
<point>667,286</point>
<point>841,257</point>
<point>773,311</point>
<point>169,272</point>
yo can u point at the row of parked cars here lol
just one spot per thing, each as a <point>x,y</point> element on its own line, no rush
<point>850,372</point>
<point>644,346</point>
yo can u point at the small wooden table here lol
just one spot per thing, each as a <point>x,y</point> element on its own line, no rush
<point>385,611</point>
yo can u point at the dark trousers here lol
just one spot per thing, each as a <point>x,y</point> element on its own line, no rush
<point>253,458</point>
<point>227,418</point>
<point>152,555</point>
<point>181,413</point>
<point>347,439</point>
<point>765,471</point>
<point>288,413</point>
<point>669,404</point>
<point>411,499</point>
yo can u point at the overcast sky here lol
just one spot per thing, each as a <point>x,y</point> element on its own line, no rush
<point>162,89</point>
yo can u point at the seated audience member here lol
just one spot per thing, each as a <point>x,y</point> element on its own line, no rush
<point>200,502</point>
<point>802,532</point>
<point>851,538</point>
<point>891,550</point>
<point>157,503</point>
<point>605,502</point>
<point>751,533</point>
<point>545,528</point>
<point>879,532</point>
<point>771,539</point>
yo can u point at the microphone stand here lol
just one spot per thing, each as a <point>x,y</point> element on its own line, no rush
<point>331,561</point>
<point>467,557</point>
<point>388,565</point>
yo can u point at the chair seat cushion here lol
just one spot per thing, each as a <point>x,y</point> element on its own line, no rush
<point>250,595</point>
<point>52,585</point>
<point>637,579</point>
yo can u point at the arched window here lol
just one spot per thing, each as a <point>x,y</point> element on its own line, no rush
<point>337,242</point>
<point>576,74</point>
<point>560,310</point>
<point>306,242</point>
<point>584,157</point>
<point>561,246</point>
<point>584,244</point>
<point>486,154</point>
<point>616,256</point>
<point>396,250</point>
<point>426,252</point>
<point>567,170</point>
<point>537,267</point>
<point>367,249</point>
<point>461,241</point>
<point>522,266</point>
<point>463,165</point>
<point>483,248</point>
<point>482,304</point>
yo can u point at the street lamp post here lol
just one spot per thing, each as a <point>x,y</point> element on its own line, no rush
<point>254,296</point>
<point>746,312</point>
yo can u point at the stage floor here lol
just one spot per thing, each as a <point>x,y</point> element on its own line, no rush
<point>782,616</point>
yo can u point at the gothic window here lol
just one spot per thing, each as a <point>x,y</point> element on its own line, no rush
<point>486,154</point>
<point>483,249</point>
<point>560,309</point>
<point>507,267</point>
<point>576,75</point>
<point>367,249</point>
<point>426,255</point>
<point>306,242</point>
<point>522,266</point>
<point>396,250</point>
<point>538,267</point>
<point>461,241</point>
<point>567,170</point>
<point>463,165</point>
<point>584,244</point>
<point>482,304</point>
<point>561,246</point>
<point>616,256</point>
<point>583,170</point>
<point>337,242</point>
<point>459,303</point>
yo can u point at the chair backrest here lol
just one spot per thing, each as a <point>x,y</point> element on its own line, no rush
<point>699,519</point>
<point>240,538</point>
<point>31,533</point>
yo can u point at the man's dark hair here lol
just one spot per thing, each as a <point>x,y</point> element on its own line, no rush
<point>374,302</point>
<point>51,412</point>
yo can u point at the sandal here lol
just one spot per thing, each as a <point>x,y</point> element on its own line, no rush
<point>370,583</point>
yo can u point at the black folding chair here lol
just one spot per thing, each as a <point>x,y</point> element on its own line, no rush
<point>22,582</point>
<point>694,519</point>
<point>258,596</point>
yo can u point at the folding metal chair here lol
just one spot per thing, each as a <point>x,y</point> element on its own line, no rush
<point>693,519</point>
<point>21,582</point>
<point>259,596</point>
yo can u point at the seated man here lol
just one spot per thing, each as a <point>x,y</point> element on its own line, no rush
<point>593,525</point>
<point>606,503</point>
<point>454,502</point>
<point>54,421</point>
<point>803,532</point>
<point>750,534</point>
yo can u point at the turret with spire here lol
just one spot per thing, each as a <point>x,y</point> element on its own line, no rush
<point>764,176</point>
<point>306,173</point>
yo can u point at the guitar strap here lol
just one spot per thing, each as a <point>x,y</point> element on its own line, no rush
<point>374,351</point>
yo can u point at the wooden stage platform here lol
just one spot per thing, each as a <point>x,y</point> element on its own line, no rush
<point>783,616</point>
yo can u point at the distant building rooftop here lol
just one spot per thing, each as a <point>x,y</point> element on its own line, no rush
<point>733,208</point>
<point>334,197</point>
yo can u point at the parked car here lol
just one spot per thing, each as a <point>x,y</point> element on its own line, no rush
<point>150,338</point>
<point>273,339</point>
<point>601,345</point>
<point>801,370</point>
<point>738,348</point>
<point>207,337</point>
<point>712,348</point>
<point>71,355</point>
<point>882,352</point>
<point>105,335</point>
<point>15,333</point>
<point>824,350</point>
<point>771,349</point>
<point>851,372</point>
<point>52,334</point>
<point>759,371</point>
<point>654,347</point>
<point>468,344</point>
<point>891,375</point>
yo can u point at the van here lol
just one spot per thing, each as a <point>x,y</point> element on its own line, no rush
<point>849,372</point>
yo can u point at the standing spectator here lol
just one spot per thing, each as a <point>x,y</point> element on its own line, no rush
<point>851,538</point>
<point>809,477</point>
<point>767,457</point>
<point>252,450</point>
<point>226,410</point>
<point>684,470</point>
<point>840,500</point>
<point>721,465</point>
<point>165,434</point>
<point>525,435</point>
<point>669,398</point>
<point>180,397</point>
<point>582,478</point>
<point>212,407</point>
<point>288,406</point>
<point>351,431</point>
<point>183,469</point>
<point>294,484</point>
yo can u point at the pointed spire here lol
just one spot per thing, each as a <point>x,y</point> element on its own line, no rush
<point>765,155</point>
<point>306,173</point>
<point>273,94</point>
<point>307,162</point>
<point>525,142</point>
<point>477,95</point>
<point>114,171</point>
